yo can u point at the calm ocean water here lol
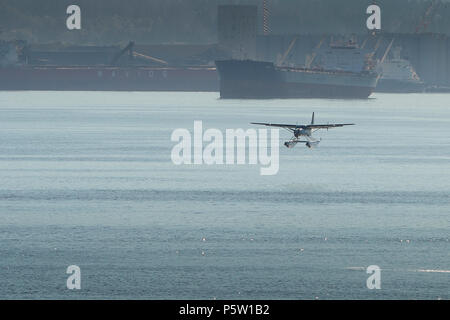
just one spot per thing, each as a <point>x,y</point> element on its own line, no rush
<point>86,179</point>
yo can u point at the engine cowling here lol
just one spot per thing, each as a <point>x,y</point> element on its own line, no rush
<point>302,132</point>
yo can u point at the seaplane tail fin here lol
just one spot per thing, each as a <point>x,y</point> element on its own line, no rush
<point>312,119</point>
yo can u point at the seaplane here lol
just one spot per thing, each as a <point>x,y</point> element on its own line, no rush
<point>303,133</point>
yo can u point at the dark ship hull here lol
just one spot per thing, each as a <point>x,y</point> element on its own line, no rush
<point>246,79</point>
<point>437,89</point>
<point>103,78</point>
<point>400,86</point>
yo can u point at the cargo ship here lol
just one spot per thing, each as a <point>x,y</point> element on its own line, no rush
<point>399,76</point>
<point>339,71</point>
<point>247,79</point>
<point>99,69</point>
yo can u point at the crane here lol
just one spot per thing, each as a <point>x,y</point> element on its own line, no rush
<point>132,54</point>
<point>423,24</point>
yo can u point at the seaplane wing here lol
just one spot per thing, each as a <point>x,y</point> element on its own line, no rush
<point>328,126</point>
<point>287,126</point>
<point>308,126</point>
